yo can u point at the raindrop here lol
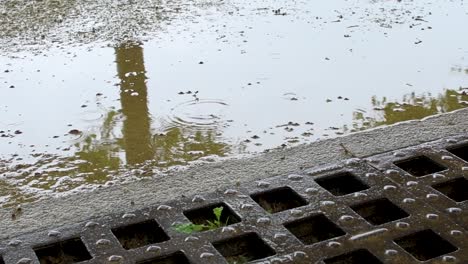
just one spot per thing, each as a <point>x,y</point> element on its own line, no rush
<point>191,239</point>
<point>115,258</point>
<point>311,191</point>
<point>411,183</point>
<point>391,252</point>
<point>230,192</point>
<point>153,249</point>
<point>91,224</point>
<point>327,203</point>
<point>389,187</point>
<point>449,258</point>
<point>432,196</point>
<point>24,261</point>
<point>333,244</point>
<point>432,216</point>
<point>402,225</point>
<point>263,184</point>
<point>454,210</point>
<point>53,233</point>
<point>164,208</point>
<point>198,198</point>
<point>129,215</point>
<point>206,255</point>
<point>409,200</point>
<point>103,242</point>
<point>246,206</point>
<point>295,177</point>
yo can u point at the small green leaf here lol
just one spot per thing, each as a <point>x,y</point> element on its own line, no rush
<point>217,212</point>
<point>189,228</point>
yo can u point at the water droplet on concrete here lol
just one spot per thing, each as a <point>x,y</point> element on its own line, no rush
<point>391,252</point>
<point>447,158</point>
<point>115,258</point>
<point>370,174</point>
<point>456,232</point>
<point>24,261</point>
<point>228,229</point>
<point>438,176</point>
<point>263,221</point>
<point>449,258</point>
<point>432,216</point>
<point>246,206</point>
<point>103,242</point>
<point>295,177</point>
<point>399,154</point>
<point>311,191</point>
<point>126,216</point>
<point>411,183</point>
<point>15,242</point>
<point>53,233</point>
<point>346,218</point>
<point>360,194</point>
<point>454,210</point>
<point>153,249</point>
<point>296,212</point>
<point>327,203</point>
<point>334,244</point>
<point>432,196</point>
<point>191,239</point>
<point>164,208</point>
<point>300,255</point>
<point>409,200</point>
<point>198,199</point>
<point>352,162</point>
<point>230,192</point>
<point>389,187</point>
<point>392,172</point>
<point>451,140</point>
<point>263,184</point>
<point>280,236</point>
<point>91,224</point>
<point>206,255</point>
<point>402,225</point>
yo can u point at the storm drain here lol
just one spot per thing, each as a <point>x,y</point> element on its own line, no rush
<point>405,206</point>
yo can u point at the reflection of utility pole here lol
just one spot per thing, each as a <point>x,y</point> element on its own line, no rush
<point>134,100</point>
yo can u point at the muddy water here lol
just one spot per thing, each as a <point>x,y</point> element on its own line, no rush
<point>94,94</point>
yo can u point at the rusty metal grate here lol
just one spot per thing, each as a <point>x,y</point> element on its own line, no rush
<point>404,206</point>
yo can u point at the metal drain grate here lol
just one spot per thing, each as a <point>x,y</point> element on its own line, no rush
<point>404,206</point>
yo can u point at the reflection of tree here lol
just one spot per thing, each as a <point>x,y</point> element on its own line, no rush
<point>412,107</point>
<point>134,99</point>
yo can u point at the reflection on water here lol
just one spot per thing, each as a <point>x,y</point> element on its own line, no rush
<point>100,156</point>
<point>411,107</point>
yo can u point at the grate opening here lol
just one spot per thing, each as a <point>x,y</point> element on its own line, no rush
<point>244,248</point>
<point>355,257</point>
<point>201,216</point>
<point>63,252</point>
<point>420,166</point>
<point>342,184</point>
<point>461,152</point>
<point>455,189</point>
<point>425,245</point>
<point>314,229</point>
<point>279,199</point>
<point>379,211</point>
<point>1,260</point>
<point>140,234</point>
<point>174,258</point>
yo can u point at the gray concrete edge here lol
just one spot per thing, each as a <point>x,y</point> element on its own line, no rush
<point>53,213</point>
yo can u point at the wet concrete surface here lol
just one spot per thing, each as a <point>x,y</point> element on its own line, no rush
<point>96,94</point>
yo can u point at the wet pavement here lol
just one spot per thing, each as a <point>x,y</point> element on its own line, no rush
<point>94,94</point>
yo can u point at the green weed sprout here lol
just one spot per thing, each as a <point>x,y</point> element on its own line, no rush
<point>189,228</point>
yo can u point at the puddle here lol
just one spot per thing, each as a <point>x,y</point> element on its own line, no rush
<point>94,94</point>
